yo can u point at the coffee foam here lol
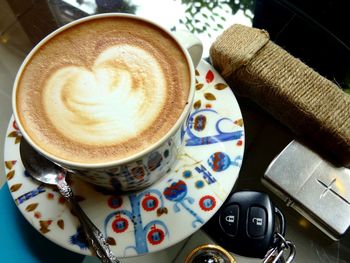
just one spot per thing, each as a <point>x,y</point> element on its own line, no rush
<point>103,90</point>
<point>91,105</point>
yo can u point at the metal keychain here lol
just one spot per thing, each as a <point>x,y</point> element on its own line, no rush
<point>217,254</point>
<point>276,254</point>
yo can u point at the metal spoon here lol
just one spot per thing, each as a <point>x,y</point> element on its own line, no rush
<point>47,172</point>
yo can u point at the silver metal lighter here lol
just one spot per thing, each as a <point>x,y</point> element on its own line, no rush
<point>312,186</point>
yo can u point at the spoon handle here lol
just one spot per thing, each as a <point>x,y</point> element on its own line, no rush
<point>93,235</point>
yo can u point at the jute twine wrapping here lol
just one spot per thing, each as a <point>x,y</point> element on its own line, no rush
<point>309,104</point>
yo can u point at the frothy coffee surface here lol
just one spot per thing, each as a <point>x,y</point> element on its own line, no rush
<point>103,90</point>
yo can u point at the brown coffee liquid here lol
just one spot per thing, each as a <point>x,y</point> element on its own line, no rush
<point>103,90</point>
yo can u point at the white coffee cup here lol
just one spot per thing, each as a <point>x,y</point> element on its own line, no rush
<point>142,168</point>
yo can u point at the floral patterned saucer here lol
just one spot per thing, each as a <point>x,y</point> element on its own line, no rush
<point>166,212</point>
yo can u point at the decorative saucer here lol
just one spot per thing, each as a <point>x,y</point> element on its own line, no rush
<point>165,213</point>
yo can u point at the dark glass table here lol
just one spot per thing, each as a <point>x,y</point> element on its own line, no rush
<point>315,32</point>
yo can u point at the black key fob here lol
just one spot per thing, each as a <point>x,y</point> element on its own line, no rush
<point>245,224</point>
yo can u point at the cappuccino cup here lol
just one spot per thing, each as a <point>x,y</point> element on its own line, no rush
<point>105,97</point>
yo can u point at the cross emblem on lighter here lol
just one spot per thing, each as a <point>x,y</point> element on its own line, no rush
<point>330,188</point>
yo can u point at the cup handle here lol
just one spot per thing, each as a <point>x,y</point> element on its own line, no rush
<point>193,45</point>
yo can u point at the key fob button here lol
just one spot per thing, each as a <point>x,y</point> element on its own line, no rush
<point>256,221</point>
<point>229,219</point>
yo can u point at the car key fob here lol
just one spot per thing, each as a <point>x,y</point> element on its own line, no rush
<point>246,225</point>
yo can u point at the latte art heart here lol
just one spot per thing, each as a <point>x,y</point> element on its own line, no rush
<point>118,98</point>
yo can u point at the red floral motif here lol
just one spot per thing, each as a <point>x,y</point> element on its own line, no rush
<point>61,200</point>
<point>15,126</point>
<point>207,202</point>
<point>150,203</point>
<point>37,215</point>
<point>155,236</point>
<point>120,224</point>
<point>115,202</point>
<point>209,77</point>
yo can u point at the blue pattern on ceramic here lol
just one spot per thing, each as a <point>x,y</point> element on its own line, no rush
<point>137,174</point>
<point>220,161</point>
<point>135,217</point>
<point>187,174</point>
<point>177,192</point>
<point>207,176</point>
<point>221,136</point>
<point>21,199</point>
<point>78,239</point>
<point>199,184</point>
